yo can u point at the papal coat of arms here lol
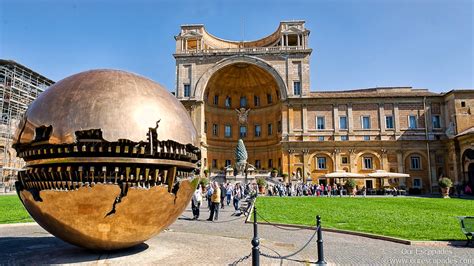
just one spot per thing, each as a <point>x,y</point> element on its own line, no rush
<point>243,115</point>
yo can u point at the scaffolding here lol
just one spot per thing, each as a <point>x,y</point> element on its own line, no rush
<point>19,86</point>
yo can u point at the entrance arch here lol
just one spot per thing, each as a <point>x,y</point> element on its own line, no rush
<point>468,167</point>
<point>243,100</point>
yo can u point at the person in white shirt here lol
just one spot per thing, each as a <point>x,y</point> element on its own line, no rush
<point>196,202</point>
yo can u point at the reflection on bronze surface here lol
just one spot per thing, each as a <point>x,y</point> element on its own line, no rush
<point>124,112</point>
<point>81,217</point>
<point>109,159</point>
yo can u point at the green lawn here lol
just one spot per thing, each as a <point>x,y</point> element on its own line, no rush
<point>407,218</point>
<point>12,211</point>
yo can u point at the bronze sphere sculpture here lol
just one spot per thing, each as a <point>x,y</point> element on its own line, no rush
<point>110,159</point>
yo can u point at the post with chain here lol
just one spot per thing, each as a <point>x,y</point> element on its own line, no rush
<point>321,260</point>
<point>255,240</point>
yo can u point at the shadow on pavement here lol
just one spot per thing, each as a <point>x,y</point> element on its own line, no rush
<point>51,250</point>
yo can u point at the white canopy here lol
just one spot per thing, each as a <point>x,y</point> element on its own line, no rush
<point>385,174</point>
<point>342,174</point>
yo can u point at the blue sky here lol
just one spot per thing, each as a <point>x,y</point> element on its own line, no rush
<point>356,43</point>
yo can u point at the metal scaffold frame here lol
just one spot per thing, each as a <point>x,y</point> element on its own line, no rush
<point>19,86</point>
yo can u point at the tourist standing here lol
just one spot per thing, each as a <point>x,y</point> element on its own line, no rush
<point>237,193</point>
<point>196,202</point>
<point>364,191</point>
<point>215,202</point>
<point>228,193</point>
<point>223,194</point>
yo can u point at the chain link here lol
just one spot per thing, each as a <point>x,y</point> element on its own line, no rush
<point>241,260</point>
<point>280,226</point>
<point>285,258</point>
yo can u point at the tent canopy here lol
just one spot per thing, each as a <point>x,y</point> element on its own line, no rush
<point>385,174</point>
<point>342,174</point>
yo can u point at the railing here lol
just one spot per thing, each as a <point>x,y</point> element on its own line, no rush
<point>244,50</point>
<point>255,254</point>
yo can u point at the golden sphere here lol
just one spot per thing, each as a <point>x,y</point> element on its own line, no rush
<point>110,159</point>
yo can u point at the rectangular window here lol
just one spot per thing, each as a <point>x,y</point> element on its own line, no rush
<point>436,121</point>
<point>215,130</point>
<point>187,90</point>
<point>463,104</point>
<point>366,122</point>
<point>389,122</point>
<point>416,182</point>
<point>415,163</point>
<point>205,127</point>
<point>228,102</point>
<point>367,162</point>
<point>297,88</point>
<point>412,121</point>
<point>258,131</point>
<point>270,163</point>
<point>256,101</point>
<point>343,122</point>
<point>243,131</point>
<point>320,122</point>
<point>228,163</point>
<point>270,129</point>
<point>269,98</point>
<point>214,163</point>
<point>366,137</point>
<point>216,99</point>
<point>320,138</point>
<point>344,160</point>
<point>279,126</point>
<point>344,137</point>
<point>257,164</point>
<point>243,101</point>
<point>321,162</point>
<point>228,131</point>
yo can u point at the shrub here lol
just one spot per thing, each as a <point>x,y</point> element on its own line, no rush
<point>261,182</point>
<point>445,182</point>
<point>351,183</point>
<point>204,182</point>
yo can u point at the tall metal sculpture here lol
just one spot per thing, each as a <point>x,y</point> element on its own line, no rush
<point>110,158</point>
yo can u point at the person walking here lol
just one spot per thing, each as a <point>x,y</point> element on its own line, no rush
<point>223,194</point>
<point>196,202</point>
<point>215,202</point>
<point>237,193</point>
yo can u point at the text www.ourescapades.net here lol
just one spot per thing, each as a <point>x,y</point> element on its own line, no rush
<point>458,261</point>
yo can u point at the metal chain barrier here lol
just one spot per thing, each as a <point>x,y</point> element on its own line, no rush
<point>287,257</point>
<point>241,259</point>
<point>280,226</point>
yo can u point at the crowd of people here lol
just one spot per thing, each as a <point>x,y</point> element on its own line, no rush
<point>218,196</point>
<point>302,189</point>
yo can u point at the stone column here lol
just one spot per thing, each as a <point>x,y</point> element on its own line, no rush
<point>285,124</point>
<point>400,162</point>
<point>290,119</point>
<point>396,117</point>
<point>350,118</point>
<point>352,161</point>
<point>381,118</point>
<point>305,162</point>
<point>304,117</point>
<point>384,161</point>
<point>335,115</point>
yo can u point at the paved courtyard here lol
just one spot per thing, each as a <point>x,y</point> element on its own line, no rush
<point>222,243</point>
